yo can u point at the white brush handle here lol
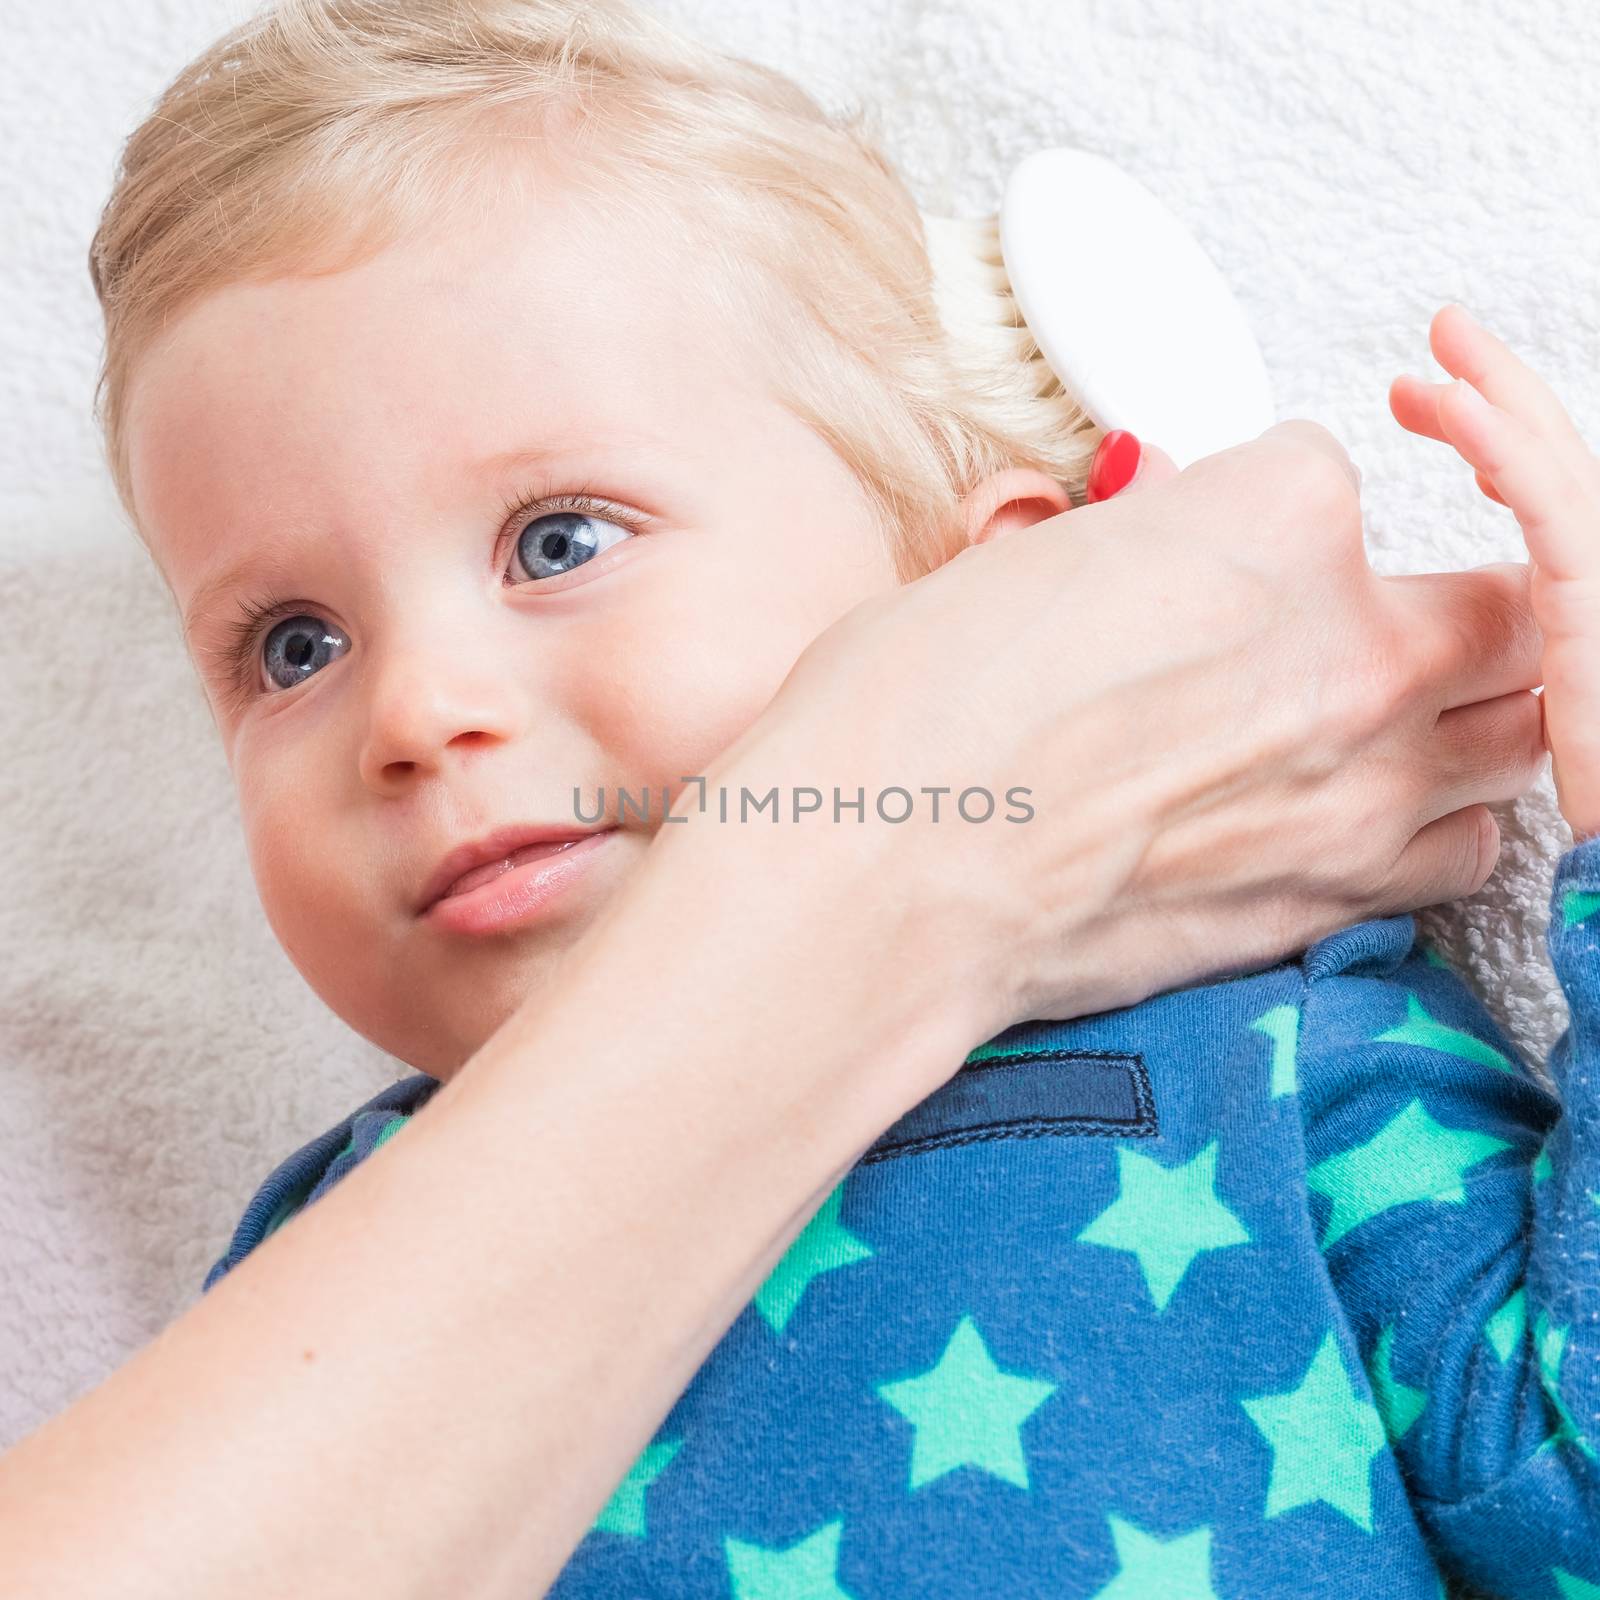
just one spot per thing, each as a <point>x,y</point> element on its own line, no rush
<point>1130,312</point>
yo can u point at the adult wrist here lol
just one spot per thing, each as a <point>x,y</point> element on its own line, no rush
<point>830,932</point>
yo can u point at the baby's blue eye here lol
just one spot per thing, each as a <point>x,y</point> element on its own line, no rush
<point>298,646</point>
<point>558,541</point>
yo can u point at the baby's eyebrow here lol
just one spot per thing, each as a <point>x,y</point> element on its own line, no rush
<point>279,561</point>
<point>258,567</point>
<point>276,562</point>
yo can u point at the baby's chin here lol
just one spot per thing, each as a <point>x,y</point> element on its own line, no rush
<point>447,994</point>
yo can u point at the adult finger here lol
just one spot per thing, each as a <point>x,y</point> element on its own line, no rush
<point>1123,462</point>
<point>1449,859</point>
<point>1303,431</point>
<point>1155,466</point>
<point>1471,635</point>
<point>1490,752</point>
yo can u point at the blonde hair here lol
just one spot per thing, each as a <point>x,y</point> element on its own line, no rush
<point>321,131</point>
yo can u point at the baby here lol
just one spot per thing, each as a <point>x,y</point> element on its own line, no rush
<point>508,394</point>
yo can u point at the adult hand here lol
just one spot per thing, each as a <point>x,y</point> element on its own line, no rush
<point>1237,736</point>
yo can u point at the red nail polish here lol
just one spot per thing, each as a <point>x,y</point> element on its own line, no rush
<point>1114,465</point>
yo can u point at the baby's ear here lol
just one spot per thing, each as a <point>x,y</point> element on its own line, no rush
<point>1018,497</point>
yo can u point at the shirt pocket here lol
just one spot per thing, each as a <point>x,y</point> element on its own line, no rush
<point>1028,1094</point>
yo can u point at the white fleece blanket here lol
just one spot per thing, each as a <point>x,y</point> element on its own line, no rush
<point>1351,168</point>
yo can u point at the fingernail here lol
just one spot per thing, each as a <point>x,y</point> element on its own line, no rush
<point>1114,465</point>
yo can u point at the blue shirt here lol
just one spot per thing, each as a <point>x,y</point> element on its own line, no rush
<point>1287,1284</point>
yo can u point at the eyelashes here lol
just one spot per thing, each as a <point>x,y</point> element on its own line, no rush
<point>239,650</point>
<point>241,641</point>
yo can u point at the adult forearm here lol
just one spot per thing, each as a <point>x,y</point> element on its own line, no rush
<point>425,1386</point>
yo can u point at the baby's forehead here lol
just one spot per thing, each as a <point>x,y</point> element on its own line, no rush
<point>450,333</point>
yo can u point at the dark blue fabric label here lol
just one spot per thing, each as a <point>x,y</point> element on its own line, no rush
<point>1029,1095</point>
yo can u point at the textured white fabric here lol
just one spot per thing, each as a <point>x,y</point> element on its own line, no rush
<point>1351,168</point>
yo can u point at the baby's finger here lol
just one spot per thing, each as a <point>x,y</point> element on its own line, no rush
<point>1415,404</point>
<point>1559,513</point>
<point>1466,349</point>
<point>1488,488</point>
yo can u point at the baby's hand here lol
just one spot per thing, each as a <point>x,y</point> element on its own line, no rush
<point>1526,454</point>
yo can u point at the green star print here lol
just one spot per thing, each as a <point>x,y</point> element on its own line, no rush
<point>1551,1344</point>
<point>1421,1029</point>
<point>1576,904</point>
<point>967,1412</point>
<point>1398,1404</point>
<point>1323,1437</point>
<point>624,1511</point>
<point>1411,1157</point>
<point>1505,1329</point>
<point>1174,1569</point>
<point>1282,1026</point>
<point>807,1570</point>
<point>1166,1216</point>
<point>823,1245</point>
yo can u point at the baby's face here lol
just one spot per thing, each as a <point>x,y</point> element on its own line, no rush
<point>384,451</point>
<point>354,442</point>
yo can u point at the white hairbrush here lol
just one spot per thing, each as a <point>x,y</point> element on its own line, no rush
<point>1128,311</point>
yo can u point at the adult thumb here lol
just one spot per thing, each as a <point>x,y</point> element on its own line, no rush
<point>1125,462</point>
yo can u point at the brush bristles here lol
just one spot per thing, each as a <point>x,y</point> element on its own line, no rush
<point>972,294</point>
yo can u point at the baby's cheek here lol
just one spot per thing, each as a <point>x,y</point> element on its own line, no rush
<point>681,694</point>
<point>685,717</point>
<point>294,896</point>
